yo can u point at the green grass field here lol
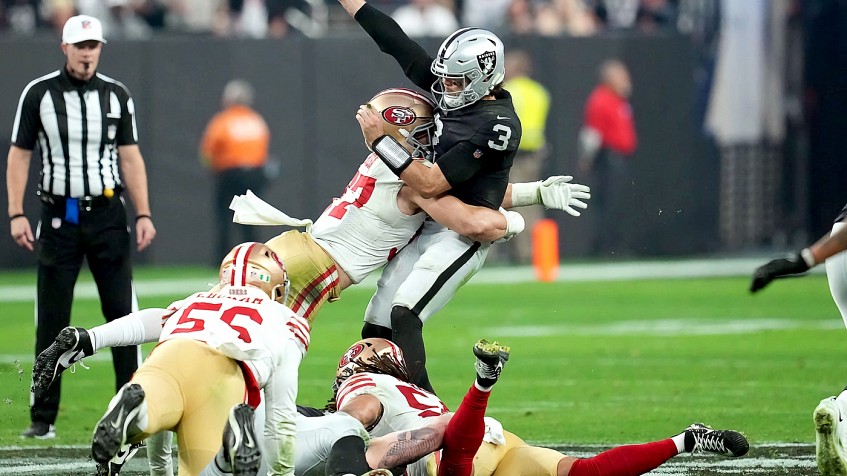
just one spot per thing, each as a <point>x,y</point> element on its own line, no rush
<point>592,363</point>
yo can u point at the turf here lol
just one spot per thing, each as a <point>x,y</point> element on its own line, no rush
<point>592,363</point>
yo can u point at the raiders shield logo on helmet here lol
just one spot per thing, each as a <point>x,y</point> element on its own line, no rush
<point>487,61</point>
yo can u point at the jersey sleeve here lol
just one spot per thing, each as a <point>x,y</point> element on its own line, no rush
<point>281,412</point>
<point>358,384</point>
<point>27,120</point>
<point>461,163</point>
<point>127,127</point>
<point>392,40</point>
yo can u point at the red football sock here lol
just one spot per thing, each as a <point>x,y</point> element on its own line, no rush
<point>464,435</point>
<point>629,460</point>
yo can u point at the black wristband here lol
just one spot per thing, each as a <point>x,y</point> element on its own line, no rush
<point>392,153</point>
<point>15,217</point>
<point>139,217</point>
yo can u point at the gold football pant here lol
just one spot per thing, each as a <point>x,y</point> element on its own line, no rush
<point>189,388</point>
<point>312,272</point>
<point>515,458</point>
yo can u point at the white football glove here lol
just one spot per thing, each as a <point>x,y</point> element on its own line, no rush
<point>557,193</point>
<point>553,192</point>
<point>515,224</point>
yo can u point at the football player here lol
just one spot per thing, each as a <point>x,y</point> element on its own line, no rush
<point>373,387</point>
<point>476,138</point>
<point>830,442</point>
<point>217,350</point>
<point>377,215</point>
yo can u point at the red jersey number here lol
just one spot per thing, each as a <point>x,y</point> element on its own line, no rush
<point>419,400</point>
<point>229,315</point>
<point>357,194</point>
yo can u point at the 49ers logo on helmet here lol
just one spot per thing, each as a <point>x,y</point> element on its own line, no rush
<point>399,116</point>
<point>351,354</point>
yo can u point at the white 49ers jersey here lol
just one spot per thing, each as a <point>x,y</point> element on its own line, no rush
<point>364,228</point>
<point>244,324</point>
<point>405,406</point>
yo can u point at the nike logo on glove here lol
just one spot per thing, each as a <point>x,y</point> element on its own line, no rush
<point>502,117</point>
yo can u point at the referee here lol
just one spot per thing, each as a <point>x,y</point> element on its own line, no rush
<point>82,122</point>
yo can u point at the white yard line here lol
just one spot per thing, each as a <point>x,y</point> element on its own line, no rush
<point>622,271</point>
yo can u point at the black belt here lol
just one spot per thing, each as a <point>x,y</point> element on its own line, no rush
<point>86,203</point>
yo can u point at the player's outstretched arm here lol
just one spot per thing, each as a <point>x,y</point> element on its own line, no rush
<point>800,261</point>
<point>403,447</point>
<point>352,6</point>
<point>477,223</point>
<point>556,192</point>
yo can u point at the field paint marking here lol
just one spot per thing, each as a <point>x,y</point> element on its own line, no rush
<point>667,327</point>
<point>680,465</point>
<point>495,275</point>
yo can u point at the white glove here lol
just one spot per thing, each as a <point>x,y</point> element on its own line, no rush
<point>557,193</point>
<point>554,192</point>
<point>514,225</point>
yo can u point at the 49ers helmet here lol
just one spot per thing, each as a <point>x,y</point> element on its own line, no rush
<point>475,57</point>
<point>362,351</point>
<point>254,264</point>
<point>408,119</point>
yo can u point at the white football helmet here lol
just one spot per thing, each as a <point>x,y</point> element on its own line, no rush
<point>254,264</point>
<point>362,351</point>
<point>473,56</point>
<point>408,119</point>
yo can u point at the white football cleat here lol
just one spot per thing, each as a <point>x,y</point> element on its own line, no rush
<point>829,440</point>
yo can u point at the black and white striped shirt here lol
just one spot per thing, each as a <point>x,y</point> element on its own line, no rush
<point>78,127</point>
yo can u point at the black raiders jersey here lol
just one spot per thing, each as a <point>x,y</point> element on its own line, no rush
<point>475,144</point>
<point>479,174</point>
<point>842,216</point>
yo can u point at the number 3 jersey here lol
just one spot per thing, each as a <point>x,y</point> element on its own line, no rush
<point>364,228</point>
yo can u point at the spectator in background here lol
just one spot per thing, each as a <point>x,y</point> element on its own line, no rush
<point>487,14</point>
<point>235,146</point>
<point>532,103</point>
<point>656,15</point>
<point>606,141</point>
<point>425,18</point>
<point>57,12</point>
<point>521,17</point>
<point>560,17</point>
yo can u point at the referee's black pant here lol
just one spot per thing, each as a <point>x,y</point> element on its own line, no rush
<point>103,238</point>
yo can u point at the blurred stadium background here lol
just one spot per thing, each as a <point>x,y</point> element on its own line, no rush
<point>607,361</point>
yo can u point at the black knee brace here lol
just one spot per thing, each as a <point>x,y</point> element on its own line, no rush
<point>407,333</point>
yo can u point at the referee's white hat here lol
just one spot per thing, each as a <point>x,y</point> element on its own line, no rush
<point>82,28</point>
